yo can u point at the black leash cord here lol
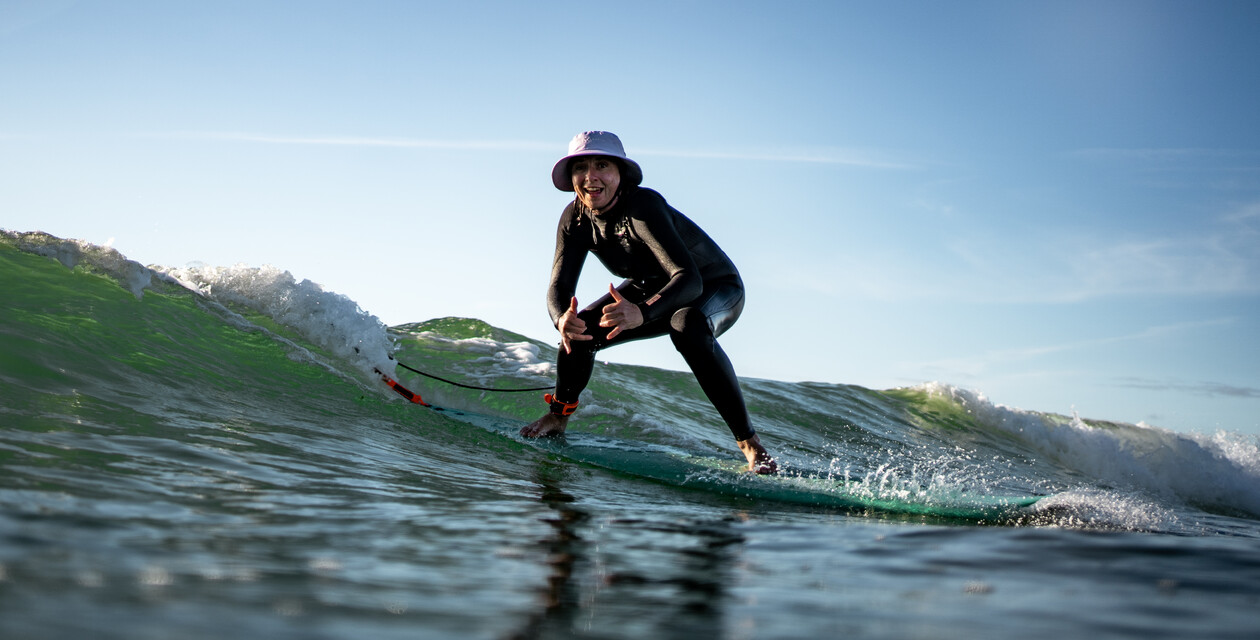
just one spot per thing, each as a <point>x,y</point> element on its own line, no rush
<point>468,386</point>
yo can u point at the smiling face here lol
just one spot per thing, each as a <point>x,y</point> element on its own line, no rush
<point>595,180</point>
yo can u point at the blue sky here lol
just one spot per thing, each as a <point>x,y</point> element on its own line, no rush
<point>1054,203</point>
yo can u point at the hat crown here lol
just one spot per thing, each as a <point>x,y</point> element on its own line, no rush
<point>589,142</point>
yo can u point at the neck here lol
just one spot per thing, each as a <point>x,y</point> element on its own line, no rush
<point>610,205</point>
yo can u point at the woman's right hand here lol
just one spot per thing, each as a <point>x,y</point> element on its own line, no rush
<point>571,327</point>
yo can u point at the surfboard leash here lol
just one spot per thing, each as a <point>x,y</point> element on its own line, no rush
<point>415,397</point>
<point>468,386</point>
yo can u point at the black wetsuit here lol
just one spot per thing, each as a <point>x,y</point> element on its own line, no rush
<point>684,284</point>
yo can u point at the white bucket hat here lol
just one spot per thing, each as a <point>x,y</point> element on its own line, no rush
<point>596,143</point>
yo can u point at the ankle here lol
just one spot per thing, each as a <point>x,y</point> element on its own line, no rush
<point>559,407</point>
<point>752,444</point>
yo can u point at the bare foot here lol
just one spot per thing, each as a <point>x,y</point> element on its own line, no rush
<point>759,460</point>
<point>548,425</point>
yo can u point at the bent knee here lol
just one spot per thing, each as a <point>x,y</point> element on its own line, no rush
<point>690,320</point>
<point>689,327</point>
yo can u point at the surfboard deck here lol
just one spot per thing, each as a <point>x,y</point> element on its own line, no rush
<point>729,477</point>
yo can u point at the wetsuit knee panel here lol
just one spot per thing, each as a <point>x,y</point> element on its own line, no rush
<point>689,319</point>
<point>691,329</point>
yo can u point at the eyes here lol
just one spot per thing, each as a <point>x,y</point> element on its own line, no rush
<point>597,164</point>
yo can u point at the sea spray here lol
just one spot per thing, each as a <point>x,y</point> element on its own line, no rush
<point>331,320</point>
<point>1221,471</point>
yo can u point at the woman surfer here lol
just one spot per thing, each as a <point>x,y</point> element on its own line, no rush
<point>678,283</point>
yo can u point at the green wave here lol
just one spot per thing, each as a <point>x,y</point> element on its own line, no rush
<point>96,344</point>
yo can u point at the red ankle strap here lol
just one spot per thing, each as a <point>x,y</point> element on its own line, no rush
<point>559,407</point>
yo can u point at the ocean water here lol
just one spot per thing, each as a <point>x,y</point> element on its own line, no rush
<point>210,453</point>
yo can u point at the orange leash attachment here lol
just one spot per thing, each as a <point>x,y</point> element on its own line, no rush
<point>560,407</point>
<point>402,391</point>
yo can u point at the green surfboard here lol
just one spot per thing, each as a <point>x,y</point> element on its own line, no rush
<point>727,477</point>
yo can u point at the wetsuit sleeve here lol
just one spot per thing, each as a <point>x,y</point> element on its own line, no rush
<point>655,226</point>
<point>566,266</point>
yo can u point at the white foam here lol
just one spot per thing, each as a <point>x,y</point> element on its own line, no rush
<point>1219,471</point>
<point>1096,509</point>
<point>499,359</point>
<point>329,320</point>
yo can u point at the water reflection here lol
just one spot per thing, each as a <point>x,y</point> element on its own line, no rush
<point>630,577</point>
<point>560,550</point>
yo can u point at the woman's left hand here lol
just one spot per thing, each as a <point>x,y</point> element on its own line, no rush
<point>620,315</point>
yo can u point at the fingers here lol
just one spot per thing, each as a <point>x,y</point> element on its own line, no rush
<point>612,316</point>
<point>616,315</point>
<point>615,318</point>
<point>612,308</point>
<point>567,339</point>
<point>619,315</point>
<point>574,328</point>
<point>571,327</point>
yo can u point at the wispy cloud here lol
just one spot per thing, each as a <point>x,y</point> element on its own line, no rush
<point>980,364</point>
<point>852,158</point>
<point>1218,264</point>
<point>1148,154</point>
<point>1208,389</point>
<point>1217,169</point>
<point>1171,157</point>
<point>1243,216</point>
<point>1052,269</point>
<point>1222,257</point>
<point>994,263</point>
<point>17,16</point>
<point>363,141</point>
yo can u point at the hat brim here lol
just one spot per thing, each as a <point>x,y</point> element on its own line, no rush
<point>631,172</point>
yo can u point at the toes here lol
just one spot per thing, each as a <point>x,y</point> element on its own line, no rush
<point>764,467</point>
